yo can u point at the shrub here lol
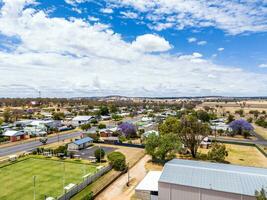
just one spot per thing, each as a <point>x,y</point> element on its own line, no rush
<point>99,154</point>
<point>117,161</point>
<point>217,153</point>
<point>102,126</point>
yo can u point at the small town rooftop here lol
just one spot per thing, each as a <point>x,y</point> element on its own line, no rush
<point>220,177</point>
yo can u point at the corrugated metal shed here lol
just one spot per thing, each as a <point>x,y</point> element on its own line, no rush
<point>82,141</point>
<point>219,177</point>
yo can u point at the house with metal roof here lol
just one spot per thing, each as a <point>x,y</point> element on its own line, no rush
<point>14,135</point>
<point>82,119</point>
<point>197,180</point>
<point>80,144</point>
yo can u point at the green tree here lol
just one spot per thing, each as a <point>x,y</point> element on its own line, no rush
<point>1,121</point>
<point>191,132</point>
<point>230,118</point>
<point>218,152</point>
<point>116,117</point>
<point>162,148</point>
<point>203,115</point>
<point>103,110</point>
<point>99,154</point>
<point>113,108</point>
<point>170,125</point>
<point>58,115</point>
<point>117,160</point>
<point>101,126</point>
<point>261,195</point>
<point>7,115</point>
<point>85,127</point>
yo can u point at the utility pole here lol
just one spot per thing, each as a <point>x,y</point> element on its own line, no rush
<point>63,179</point>
<point>128,172</point>
<point>99,154</point>
<point>34,192</point>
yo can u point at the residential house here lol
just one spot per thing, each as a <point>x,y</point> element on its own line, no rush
<point>80,144</point>
<point>14,135</point>
<point>79,120</point>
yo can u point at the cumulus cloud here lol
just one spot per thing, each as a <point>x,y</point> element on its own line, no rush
<point>220,49</point>
<point>106,10</point>
<point>263,65</point>
<point>191,39</point>
<point>130,15</point>
<point>202,43</point>
<point>232,16</point>
<point>151,43</point>
<point>98,61</point>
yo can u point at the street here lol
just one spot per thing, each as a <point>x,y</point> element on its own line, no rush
<point>27,146</point>
<point>118,189</point>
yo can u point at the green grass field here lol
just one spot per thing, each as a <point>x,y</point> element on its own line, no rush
<point>17,179</point>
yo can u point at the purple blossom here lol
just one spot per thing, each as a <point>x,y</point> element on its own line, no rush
<point>240,125</point>
<point>127,129</point>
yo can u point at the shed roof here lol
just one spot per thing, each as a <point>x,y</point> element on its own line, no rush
<point>83,140</point>
<point>220,177</point>
<point>11,133</point>
<point>150,182</point>
<point>82,118</point>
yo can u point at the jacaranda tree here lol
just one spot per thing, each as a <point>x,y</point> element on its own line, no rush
<point>127,129</point>
<point>241,127</point>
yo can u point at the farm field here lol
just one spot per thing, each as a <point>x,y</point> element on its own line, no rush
<point>243,155</point>
<point>17,179</point>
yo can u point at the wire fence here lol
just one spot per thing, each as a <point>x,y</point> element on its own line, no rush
<point>87,180</point>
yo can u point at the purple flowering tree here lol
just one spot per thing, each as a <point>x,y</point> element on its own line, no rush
<point>127,129</point>
<point>241,127</point>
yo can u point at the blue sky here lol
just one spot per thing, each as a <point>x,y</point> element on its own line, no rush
<point>68,48</point>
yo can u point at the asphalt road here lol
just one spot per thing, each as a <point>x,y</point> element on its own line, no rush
<point>28,146</point>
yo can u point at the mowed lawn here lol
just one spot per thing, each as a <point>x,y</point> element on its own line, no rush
<point>17,179</point>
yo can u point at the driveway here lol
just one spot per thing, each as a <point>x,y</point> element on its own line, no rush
<point>118,189</point>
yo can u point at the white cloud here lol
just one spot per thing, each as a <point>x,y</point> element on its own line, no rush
<point>93,19</point>
<point>220,49</point>
<point>79,11</point>
<point>106,10</point>
<point>98,61</point>
<point>130,15</point>
<point>191,39</point>
<point>151,43</point>
<point>232,16</point>
<point>160,26</point>
<point>202,43</point>
<point>263,65</point>
<point>74,2</point>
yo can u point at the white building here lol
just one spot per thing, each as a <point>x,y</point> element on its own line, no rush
<point>79,120</point>
<point>147,189</point>
<point>198,180</point>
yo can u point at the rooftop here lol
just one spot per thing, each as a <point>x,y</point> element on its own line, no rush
<point>82,118</point>
<point>220,177</point>
<point>150,182</point>
<point>83,140</point>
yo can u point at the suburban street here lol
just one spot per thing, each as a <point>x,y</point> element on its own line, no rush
<point>27,146</point>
